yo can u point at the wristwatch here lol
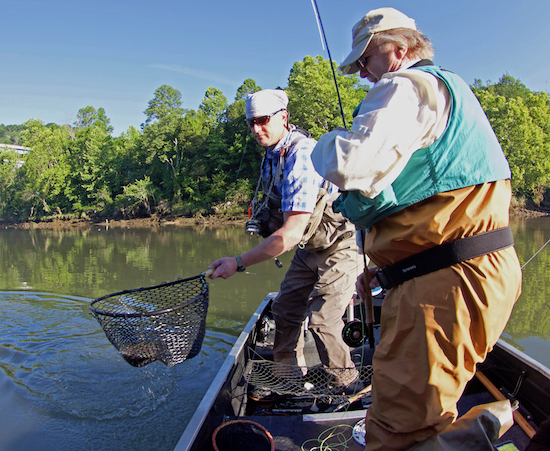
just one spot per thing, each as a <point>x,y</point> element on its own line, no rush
<point>240,266</point>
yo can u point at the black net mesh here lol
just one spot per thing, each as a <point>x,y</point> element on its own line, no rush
<point>165,322</point>
<point>317,382</point>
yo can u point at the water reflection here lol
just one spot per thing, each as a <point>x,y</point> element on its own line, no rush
<point>96,261</point>
<point>67,388</point>
<point>529,326</point>
<point>63,386</point>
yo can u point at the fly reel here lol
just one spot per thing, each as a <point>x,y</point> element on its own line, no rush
<point>355,333</point>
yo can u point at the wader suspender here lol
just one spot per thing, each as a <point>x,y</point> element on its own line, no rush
<point>444,255</point>
<point>317,215</point>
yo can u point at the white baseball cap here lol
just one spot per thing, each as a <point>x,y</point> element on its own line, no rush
<point>265,102</point>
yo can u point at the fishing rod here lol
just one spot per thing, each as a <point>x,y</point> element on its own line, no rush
<point>369,307</point>
<point>324,43</point>
<point>536,253</point>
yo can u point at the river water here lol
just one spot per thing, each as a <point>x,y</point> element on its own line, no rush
<point>63,386</point>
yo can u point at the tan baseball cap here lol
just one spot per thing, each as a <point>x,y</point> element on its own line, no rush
<point>381,19</point>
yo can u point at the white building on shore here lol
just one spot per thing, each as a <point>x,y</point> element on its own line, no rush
<point>17,149</point>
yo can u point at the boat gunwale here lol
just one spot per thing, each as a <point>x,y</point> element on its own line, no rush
<point>187,439</point>
<point>521,356</point>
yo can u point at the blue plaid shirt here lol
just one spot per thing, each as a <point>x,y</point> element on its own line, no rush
<point>299,185</point>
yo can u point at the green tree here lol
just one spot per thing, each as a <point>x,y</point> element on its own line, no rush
<point>167,101</point>
<point>507,86</point>
<point>175,155</point>
<point>46,169</point>
<point>313,101</point>
<point>141,193</point>
<point>213,105</point>
<point>11,134</point>
<point>93,162</point>
<point>87,117</point>
<point>249,86</point>
<point>522,125</point>
<point>129,159</point>
<point>10,163</point>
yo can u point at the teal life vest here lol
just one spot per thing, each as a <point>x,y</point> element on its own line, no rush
<point>467,153</point>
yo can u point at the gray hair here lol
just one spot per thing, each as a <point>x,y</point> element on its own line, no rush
<point>419,46</point>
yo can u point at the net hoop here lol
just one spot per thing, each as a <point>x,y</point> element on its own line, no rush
<point>140,290</point>
<point>165,322</point>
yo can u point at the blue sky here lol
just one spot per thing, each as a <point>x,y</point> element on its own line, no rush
<point>62,55</point>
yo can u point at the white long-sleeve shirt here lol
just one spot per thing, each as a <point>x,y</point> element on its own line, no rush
<point>405,111</point>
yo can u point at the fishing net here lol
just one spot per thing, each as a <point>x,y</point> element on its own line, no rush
<point>318,382</point>
<point>166,322</point>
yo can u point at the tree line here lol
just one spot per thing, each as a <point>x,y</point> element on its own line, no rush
<point>205,161</point>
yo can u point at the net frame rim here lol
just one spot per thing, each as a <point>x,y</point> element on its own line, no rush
<point>139,290</point>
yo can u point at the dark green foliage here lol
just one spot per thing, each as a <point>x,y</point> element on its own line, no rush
<point>11,134</point>
<point>206,161</point>
<point>521,121</point>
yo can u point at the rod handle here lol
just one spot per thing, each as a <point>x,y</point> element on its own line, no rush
<point>518,417</point>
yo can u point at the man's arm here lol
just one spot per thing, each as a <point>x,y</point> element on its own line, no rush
<point>400,114</point>
<point>279,242</point>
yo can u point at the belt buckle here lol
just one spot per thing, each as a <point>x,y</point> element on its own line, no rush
<point>383,279</point>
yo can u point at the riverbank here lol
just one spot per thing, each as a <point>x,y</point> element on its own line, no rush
<point>152,221</point>
<point>195,221</point>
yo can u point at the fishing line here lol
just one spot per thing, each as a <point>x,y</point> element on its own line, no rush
<point>324,43</point>
<point>536,253</point>
<point>340,441</point>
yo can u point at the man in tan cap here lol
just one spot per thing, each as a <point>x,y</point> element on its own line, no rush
<point>424,174</point>
<point>320,282</point>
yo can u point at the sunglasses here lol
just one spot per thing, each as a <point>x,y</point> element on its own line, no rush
<point>362,60</point>
<point>262,120</point>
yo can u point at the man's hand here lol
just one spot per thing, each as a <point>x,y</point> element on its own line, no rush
<point>280,241</point>
<point>367,281</point>
<point>224,268</point>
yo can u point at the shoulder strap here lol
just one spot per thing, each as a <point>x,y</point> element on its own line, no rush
<point>421,63</point>
<point>302,133</point>
<point>317,215</point>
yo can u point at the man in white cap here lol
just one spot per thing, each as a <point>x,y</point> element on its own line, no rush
<point>320,282</point>
<point>424,174</point>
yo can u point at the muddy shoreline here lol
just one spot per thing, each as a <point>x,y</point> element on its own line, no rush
<point>153,221</point>
<point>196,221</point>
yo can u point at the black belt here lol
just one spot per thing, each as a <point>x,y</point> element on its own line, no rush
<point>444,255</point>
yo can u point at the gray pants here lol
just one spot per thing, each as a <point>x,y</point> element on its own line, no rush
<point>319,285</point>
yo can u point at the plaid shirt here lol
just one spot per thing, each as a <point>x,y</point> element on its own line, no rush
<point>299,183</point>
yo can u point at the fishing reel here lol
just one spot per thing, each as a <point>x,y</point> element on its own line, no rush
<point>355,333</point>
<point>252,227</point>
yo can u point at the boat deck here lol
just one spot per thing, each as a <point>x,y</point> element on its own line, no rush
<point>305,420</point>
